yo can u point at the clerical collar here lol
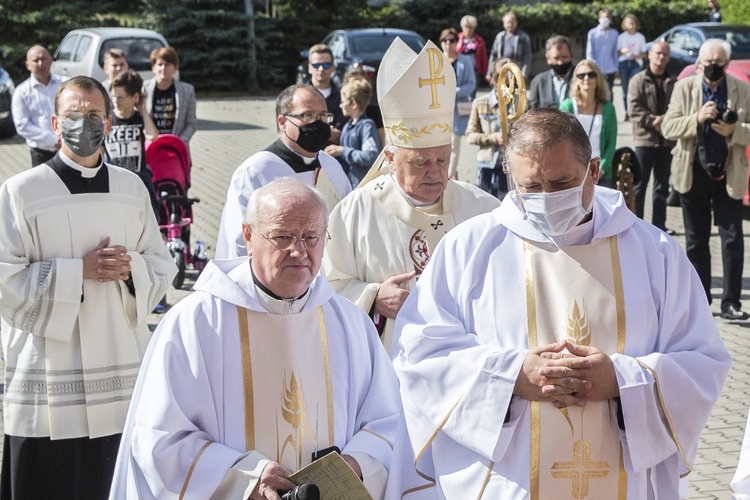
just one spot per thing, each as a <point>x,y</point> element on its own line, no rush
<point>295,160</point>
<point>86,172</point>
<point>416,203</point>
<point>275,304</point>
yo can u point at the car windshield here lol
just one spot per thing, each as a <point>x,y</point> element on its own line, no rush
<point>740,40</point>
<point>374,46</point>
<point>137,51</point>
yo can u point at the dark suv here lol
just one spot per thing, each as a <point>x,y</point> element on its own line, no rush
<point>361,48</point>
<point>7,128</point>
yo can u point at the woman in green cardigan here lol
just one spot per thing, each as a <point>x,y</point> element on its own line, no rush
<point>589,102</point>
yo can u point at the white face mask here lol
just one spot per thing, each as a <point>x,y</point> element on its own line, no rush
<point>556,213</point>
<point>604,22</point>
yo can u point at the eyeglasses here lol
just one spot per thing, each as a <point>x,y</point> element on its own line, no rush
<point>582,76</point>
<point>311,117</point>
<point>286,242</point>
<point>325,65</point>
<point>75,115</point>
<point>449,40</point>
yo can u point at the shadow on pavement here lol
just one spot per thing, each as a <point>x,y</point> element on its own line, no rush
<point>210,125</point>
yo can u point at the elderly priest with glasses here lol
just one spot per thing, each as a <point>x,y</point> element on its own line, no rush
<point>383,234</point>
<point>258,369</point>
<point>302,123</point>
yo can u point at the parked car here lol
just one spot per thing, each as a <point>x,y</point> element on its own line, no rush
<point>686,39</point>
<point>363,48</point>
<point>82,50</point>
<point>739,69</point>
<point>7,129</point>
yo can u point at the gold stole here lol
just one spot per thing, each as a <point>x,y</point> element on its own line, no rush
<point>326,188</point>
<point>575,293</point>
<point>287,380</point>
<point>419,230</point>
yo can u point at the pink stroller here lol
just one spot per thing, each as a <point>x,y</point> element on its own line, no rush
<point>169,160</point>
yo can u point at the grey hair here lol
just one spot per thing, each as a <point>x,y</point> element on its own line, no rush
<point>276,191</point>
<point>539,130</point>
<point>469,21</point>
<point>558,41</point>
<point>714,43</point>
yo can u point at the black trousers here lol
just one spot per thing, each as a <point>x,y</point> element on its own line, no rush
<point>658,159</point>
<point>75,469</point>
<point>697,204</point>
<point>39,156</point>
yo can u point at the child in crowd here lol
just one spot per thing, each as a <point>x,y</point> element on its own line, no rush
<point>360,141</point>
<point>131,125</point>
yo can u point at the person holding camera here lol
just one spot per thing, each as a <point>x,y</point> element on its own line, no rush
<point>708,118</point>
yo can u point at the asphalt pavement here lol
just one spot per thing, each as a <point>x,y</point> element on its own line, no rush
<point>230,130</point>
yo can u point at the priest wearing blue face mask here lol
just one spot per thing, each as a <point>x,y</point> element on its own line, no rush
<point>558,301</point>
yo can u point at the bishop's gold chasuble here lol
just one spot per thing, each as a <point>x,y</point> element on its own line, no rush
<point>575,293</point>
<point>287,381</point>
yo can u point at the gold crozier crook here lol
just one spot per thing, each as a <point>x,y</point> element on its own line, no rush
<point>511,93</point>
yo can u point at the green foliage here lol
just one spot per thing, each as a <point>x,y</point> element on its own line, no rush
<point>210,37</point>
<point>24,23</point>
<point>735,11</point>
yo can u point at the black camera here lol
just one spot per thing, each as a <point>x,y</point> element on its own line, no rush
<point>727,115</point>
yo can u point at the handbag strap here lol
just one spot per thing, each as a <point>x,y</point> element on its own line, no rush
<point>593,119</point>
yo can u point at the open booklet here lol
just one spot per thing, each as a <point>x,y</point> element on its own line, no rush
<point>335,479</point>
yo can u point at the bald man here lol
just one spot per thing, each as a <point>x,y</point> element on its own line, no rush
<point>33,106</point>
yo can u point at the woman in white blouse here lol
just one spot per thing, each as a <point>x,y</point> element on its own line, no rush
<point>589,101</point>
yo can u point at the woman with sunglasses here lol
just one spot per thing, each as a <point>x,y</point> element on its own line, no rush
<point>466,84</point>
<point>590,102</point>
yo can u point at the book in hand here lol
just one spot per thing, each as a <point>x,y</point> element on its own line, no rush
<point>335,479</point>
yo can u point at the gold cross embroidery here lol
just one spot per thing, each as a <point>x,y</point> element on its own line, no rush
<point>580,470</point>
<point>435,57</point>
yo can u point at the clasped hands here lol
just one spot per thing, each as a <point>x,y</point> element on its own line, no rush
<point>567,375</point>
<point>105,263</point>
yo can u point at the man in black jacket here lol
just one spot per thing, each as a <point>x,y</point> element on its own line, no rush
<point>648,98</point>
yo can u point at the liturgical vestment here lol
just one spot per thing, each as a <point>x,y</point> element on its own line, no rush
<point>73,346</point>
<point>324,173</point>
<point>496,286</point>
<point>377,233</point>
<point>234,378</point>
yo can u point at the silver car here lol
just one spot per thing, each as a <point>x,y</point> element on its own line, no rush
<point>82,51</point>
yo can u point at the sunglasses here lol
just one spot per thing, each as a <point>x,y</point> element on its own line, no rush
<point>449,40</point>
<point>591,75</point>
<point>325,65</point>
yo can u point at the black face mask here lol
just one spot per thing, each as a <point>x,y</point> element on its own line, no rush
<point>313,136</point>
<point>714,72</point>
<point>561,69</point>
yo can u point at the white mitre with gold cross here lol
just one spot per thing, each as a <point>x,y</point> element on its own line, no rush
<point>416,94</point>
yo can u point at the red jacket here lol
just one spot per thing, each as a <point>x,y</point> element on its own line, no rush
<point>480,54</point>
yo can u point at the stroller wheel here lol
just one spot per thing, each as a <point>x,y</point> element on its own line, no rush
<point>179,261</point>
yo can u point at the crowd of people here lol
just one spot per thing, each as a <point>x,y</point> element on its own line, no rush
<point>518,338</point>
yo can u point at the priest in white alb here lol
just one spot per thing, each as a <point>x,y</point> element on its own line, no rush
<point>302,123</point>
<point>383,233</point>
<point>260,367</point>
<point>82,264</point>
<point>558,347</point>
